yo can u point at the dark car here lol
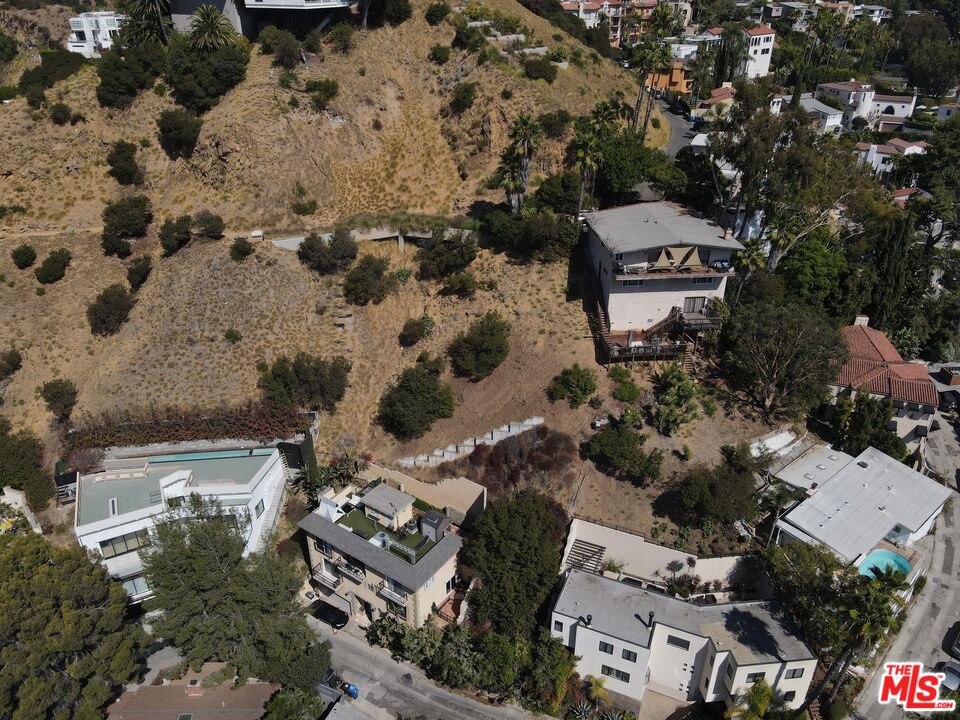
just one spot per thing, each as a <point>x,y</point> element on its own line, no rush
<point>948,401</point>
<point>333,616</point>
<point>679,107</point>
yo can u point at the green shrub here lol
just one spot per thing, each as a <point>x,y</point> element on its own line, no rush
<point>21,466</point>
<point>439,54</point>
<point>540,69</point>
<point>7,92</point>
<point>305,381</point>
<point>60,113</point>
<point>314,42</point>
<point>110,310</point>
<point>175,234</point>
<point>268,39</point>
<point>199,78</point>
<point>393,12</point>
<point>286,51</point>
<point>122,160</point>
<point>655,122</point>
<point>437,12</point>
<point>920,584</point>
<point>479,351</point>
<point>125,72</point>
<point>445,253</point>
<point>416,329</point>
<point>178,133</point>
<point>557,54</point>
<point>341,37</point>
<point>8,48</point>
<point>23,256</point>
<point>123,220</point>
<point>10,361</point>
<point>462,284</point>
<point>321,93</point>
<point>35,96</point>
<point>328,257</point>
<point>10,210</point>
<point>60,397</point>
<point>619,374</point>
<point>53,267</point>
<point>468,38</point>
<point>368,281</point>
<point>618,451</point>
<point>574,384</point>
<point>241,249</point>
<point>410,407</point>
<point>208,225</point>
<point>555,123</point>
<point>55,65</point>
<point>232,336</point>
<point>627,392</point>
<point>139,271</point>
<point>506,94</point>
<point>304,207</point>
<point>464,95</point>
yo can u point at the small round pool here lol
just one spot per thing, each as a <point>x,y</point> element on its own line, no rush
<point>883,560</point>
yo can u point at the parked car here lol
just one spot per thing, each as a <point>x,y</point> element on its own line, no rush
<point>951,680</point>
<point>948,401</point>
<point>680,108</point>
<point>955,645</point>
<point>333,616</point>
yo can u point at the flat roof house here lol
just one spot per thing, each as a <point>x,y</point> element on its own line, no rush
<point>759,50</point>
<point>658,265</point>
<point>369,549</point>
<point>640,640</point>
<point>826,119</point>
<point>119,506</point>
<point>92,32</point>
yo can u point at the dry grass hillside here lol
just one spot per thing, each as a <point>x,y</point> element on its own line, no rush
<point>385,143</point>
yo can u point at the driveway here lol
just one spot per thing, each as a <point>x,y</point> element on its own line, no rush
<point>943,450</point>
<point>929,618</point>
<point>681,132</point>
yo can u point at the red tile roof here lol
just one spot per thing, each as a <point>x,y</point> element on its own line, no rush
<point>760,30</point>
<point>876,367</point>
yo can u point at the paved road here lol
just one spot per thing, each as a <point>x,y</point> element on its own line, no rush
<point>930,617</point>
<point>389,688</point>
<point>680,131</point>
<point>943,449</point>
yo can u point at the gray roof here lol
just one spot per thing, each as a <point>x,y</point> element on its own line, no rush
<point>814,467</point>
<point>856,508</point>
<point>386,500</point>
<point>755,632</point>
<point>656,224</point>
<point>382,561</point>
<point>809,103</point>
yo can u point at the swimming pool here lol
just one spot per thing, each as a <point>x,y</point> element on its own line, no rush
<point>882,560</point>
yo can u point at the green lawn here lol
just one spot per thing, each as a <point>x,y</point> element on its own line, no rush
<point>356,520</point>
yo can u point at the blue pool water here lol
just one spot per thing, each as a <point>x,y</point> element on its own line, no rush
<point>211,455</point>
<point>883,559</point>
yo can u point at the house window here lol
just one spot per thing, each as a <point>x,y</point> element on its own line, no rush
<point>450,583</point>
<point>185,716</point>
<point>558,626</point>
<point>631,283</point>
<point>678,642</point>
<point>629,656</point>
<point>321,546</point>
<point>618,257</point>
<point>754,677</point>
<point>135,585</point>
<point>789,696</point>
<point>606,648</point>
<point>614,673</point>
<point>259,508</point>
<point>729,670</point>
<point>123,544</point>
<point>701,281</point>
<point>795,673</point>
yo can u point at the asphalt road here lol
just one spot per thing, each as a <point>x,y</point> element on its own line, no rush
<point>680,131</point>
<point>930,617</point>
<point>389,688</point>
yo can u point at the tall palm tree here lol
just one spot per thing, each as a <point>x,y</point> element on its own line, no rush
<point>647,58</point>
<point>749,260</point>
<point>147,20</point>
<point>210,30</point>
<point>511,180</point>
<point>777,497</point>
<point>597,691</point>
<point>525,134</point>
<point>589,155</point>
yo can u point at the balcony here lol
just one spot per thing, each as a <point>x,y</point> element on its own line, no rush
<point>386,592</point>
<point>328,580</point>
<point>353,572</point>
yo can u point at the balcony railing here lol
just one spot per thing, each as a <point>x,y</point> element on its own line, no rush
<point>351,571</point>
<point>385,591</point>
<point>326,579</point>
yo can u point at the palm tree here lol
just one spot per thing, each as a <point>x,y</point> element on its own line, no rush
<point>525,134</point>
<point>597,691</point>
<point>589,155</point>
<point>749,260</point>
<point>511,180</point>
<point>777,497</point>
<point>753,704</point>
<point>647,58</point>
<point>147,20</point>
<point>210,30</point>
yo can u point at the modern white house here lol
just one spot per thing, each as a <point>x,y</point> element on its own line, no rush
<point>93,32</point>
<point>860,100</point>
<point>881,157</point>
<point>657,264</point>
<point>827,119</point>
<point>642,641</point>
<point>868,510</point>
<point>369,552</point>
<point>118,507</point>
<point>759,42</point>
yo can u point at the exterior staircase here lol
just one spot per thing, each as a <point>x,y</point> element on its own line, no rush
<point>585,556</point>
<point>688,358</point>
<point>664,326</point>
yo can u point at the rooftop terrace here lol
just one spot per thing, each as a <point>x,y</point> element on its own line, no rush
<point>369,529</point>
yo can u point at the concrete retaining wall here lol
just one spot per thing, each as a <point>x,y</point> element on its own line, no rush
<point>465,447</point>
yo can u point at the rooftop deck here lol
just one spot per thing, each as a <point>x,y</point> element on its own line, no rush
<point>363,526</point>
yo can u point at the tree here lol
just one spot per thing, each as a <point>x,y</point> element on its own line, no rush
<point>139,271</point>
<point>812,269</point>
<point>415,329</point>
<point>125,220</point>
<point>208,225</point>
<point>645,58</point>
<point>589,154</point>
<point>436,13</point>
<point>109,311</point>
<point>68,645</point>
<point>148,21</point>
<point>175,234</point>
<point>675,403</point>
<point>179,131</point>
<point>774,499</point>
<point>574,384</point>
<point>478,352</point>
<point>210,30</point>
<point>341,36</point>
<point>597,690</point>
<point>439,54</point>
<point>328,256</point>
<point>21,466</point>
<point>781,356</point>
<point>305,381</point>
<point>216,603</point>
<point>618,451</point>
<point>60,395</point>
<point>241,249</point>
<point>515,547</point>
<point>526,136</point>
<point>122,160</point>
<point>464,95</point>
<point>10,361</point>
<point>290,704</point>
<point>934,67</point>
<point>8,48</point>
<point>754,703</point>
<point>199,78</point>
<point>53,267</point>
<point>445,253</point>
<point>537,68</point>
<point>367,282</point>
<point>723,493</point>
<point>23,256</point>
<point>462,284</point>
<point>287,49</point>
<point>410,407</point>
<point>862,423</point>
<point>748,261</point>
<point>60,113</point>
<point>126,69</point>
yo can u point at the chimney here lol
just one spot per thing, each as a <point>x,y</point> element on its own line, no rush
<point>194,688</point>
<point>728,234</point>
<point>650,620</point>
<point>861,321</point>
<point>589,620</point>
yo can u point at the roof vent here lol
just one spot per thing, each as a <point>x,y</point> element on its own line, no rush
<point>113,508</point>
<point>821,467</point>
<point>862,464</point>
<point>833,457</point>
<point>589,620</point>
